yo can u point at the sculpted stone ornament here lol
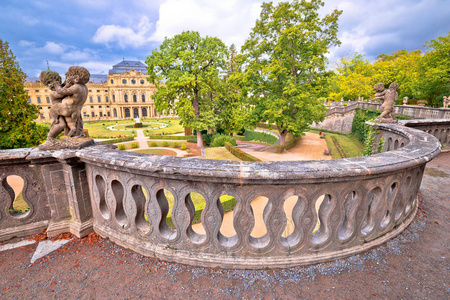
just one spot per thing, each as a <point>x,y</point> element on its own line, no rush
<point>405,100</point>
<point>67,99</point>
<point>446,101</point>
<point>388,98</point>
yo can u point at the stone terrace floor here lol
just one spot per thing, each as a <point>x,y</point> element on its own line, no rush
<point>414,265</point>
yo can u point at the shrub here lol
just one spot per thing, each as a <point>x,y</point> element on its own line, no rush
<point>165,144</point>
<point>260,136</point>
<point>134,145</point>
<point>121,147</point>
<point>183,147</point>
<point>119,140</point>
<point>176,145</point>
<point>220,140</point>
<point>153,144</point>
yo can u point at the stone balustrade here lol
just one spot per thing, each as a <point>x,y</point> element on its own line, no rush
<point>313,211</point>
<point>415,112</point>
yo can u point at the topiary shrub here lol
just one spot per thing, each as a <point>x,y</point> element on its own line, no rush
<point>134,145</point>
<point>121,147</point>
<point>153,144</point>
<point>176,145</point>
<point>183,147</point>
<point>165,144</point>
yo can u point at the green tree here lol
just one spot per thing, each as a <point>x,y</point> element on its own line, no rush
<point>186,72</point>
<point>232,111</point>
<point>434,71</point>
<point>285,62</point>
<point>355,77</point>
<point>17,128</point>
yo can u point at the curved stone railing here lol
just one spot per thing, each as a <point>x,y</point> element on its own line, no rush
<point>364,202</point>
<point>312,211</point>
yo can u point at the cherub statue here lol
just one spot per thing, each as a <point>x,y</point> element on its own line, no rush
<point>446,101</point>
<point>67,101</point>
<point>405,100</point>
<point>389,97</point>
<point>380,92</point>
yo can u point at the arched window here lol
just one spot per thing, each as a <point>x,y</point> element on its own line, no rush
<point>115,113</point>
<point>124,81</point>
<point>142,81</point>
<point>114,98</point>
<point>144,112</point>
<point>143,97</point>
<point>133,81</point>
<point>134,98</point>
<point>125,97</point>
<point>136,113</point>
<point>127,113</point>
<point>112,81</point>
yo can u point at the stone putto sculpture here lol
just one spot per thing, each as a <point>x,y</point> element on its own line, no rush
<point>67,99</point>
<point>446,101</point>
<point>405,100</point>
<point>388,98</point>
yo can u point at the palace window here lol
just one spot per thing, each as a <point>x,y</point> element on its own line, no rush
<point>142,81</point>
<point>92,114</point>
<point>101,114</point>
<point>114,98</point>
<point>115,113</point>
<point>112,81</point>
<point>98,91</point>
<point>39,99</point>
<point>134,98</point>
<point>90,91</point>
<point>90,99</point>
<point>136,113</point>
<point>42,116</point>
<point>133,81</point>
<point>92,106</point>
<point>143,97</point>
<point>125,97</point>
<point>124,81</point>
<point>127,113</point>
<point>37,91</point>
<point>144,112</point>
<point>85,115</point>
<point>29,99</point>
<point>99,99</point>
<point>48,99</point>
<point>109,114</point>
<point>106,99</point>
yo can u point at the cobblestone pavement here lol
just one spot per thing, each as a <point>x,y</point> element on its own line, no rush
<point>414,265</point>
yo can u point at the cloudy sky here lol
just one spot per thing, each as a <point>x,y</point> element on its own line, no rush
<point>100,33</point>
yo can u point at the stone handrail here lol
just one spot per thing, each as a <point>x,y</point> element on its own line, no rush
<point>340,207</point>
<point>416,112</point>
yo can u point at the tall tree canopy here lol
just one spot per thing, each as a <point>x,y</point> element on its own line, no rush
<point>434,71</point>
<point>285,63</point>
<point>17,126</point>
<point>186,71</point>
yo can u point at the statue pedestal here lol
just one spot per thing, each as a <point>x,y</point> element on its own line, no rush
<point>66,143</point>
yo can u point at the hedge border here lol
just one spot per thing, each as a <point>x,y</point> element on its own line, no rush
<point>240,154</point>
<point>119,140</point>
<point>168,137</point>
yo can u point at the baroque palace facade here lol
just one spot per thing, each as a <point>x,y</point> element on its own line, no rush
<point>123,93</point>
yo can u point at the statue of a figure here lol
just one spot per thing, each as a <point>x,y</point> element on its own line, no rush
<point>405,100</point>
<point>388,98</point>
<point>446,101</point>
<point>67,99</point>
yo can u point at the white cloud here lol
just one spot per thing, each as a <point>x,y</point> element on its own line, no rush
<point>124,36</point>
<point>26,44</point>
<point>54,48</point>
<point>77,55</point>
<point>230,20</point>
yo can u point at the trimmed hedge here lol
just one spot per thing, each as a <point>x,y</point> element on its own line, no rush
<point>240,154</point>
<point>119,140</point>
<point>169,137</point>
<point>260,136</point>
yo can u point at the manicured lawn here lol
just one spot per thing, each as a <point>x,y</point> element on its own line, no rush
<point>98,129</point>
<point>219,153</point>
<point>158,152</point>
<point>19,204</point>
<point>349,144</point>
